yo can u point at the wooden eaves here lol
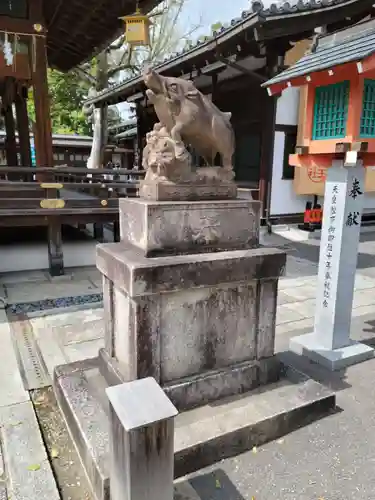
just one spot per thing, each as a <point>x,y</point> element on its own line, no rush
<point>256,31</point>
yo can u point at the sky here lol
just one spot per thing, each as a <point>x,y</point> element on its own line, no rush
<point>213,11</point>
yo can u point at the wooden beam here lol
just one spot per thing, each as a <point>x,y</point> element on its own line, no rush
<point>242,69</point>
<point>23,127</point>
<point>36,11</point>
<point>13,25</point>
<point>80,27</point>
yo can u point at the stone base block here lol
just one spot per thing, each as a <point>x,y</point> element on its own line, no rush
<point>206,387</point>
<point>336,359</point>
<point>202,323</point>
<point>166,228</point>
<point>203,435</point>
<point>163,191</point>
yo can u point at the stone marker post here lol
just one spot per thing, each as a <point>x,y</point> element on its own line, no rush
<point>330,343</point>
<point>142,430</point>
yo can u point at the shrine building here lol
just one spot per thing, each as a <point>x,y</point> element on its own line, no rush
<point>230,66</point>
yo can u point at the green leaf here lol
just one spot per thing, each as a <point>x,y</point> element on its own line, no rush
<point>15,424</point>
<point>33,467</point>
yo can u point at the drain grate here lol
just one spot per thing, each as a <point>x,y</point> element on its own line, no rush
<point>32,368</point>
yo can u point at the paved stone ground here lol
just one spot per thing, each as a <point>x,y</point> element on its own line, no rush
<point>333,459</point>
<point>27,473</point>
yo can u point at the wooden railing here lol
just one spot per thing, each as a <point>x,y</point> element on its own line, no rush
<point>75,187</point>
<point>21,188</point>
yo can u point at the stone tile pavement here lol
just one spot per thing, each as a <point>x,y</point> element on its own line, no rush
<point>25,471</point>
<point>33,286</point>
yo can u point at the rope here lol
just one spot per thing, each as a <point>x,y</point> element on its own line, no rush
<point>43,35</point>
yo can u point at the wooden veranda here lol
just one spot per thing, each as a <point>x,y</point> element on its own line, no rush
<point>71,197</point>
<point>61,34</point>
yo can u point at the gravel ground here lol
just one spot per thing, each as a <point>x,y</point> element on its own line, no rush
<point>67,468</point>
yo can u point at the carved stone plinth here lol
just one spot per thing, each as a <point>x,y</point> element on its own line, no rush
<point>172,228</point>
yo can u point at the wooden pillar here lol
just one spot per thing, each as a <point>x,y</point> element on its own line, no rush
<point>99,232</point>
<point>214,80</point>
<point>116,231</point>
<point>10,140</point>
<point>274,62</point>
<point>267,149</point>
<point>139,138</point>
<point>23,127</point>
<point>43,130</point>
<point>55,250</point>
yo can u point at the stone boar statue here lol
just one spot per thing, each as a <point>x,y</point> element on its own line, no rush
<point>190,117</point>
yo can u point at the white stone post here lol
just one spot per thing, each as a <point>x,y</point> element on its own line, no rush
<point>330,343</point>
<point>142,431</point>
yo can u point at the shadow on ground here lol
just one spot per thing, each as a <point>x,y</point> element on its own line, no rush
<point>308,251</point>
<point>215,485</point>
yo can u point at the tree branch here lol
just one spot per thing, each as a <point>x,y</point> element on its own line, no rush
<point>120,67</point>
<point>85,75</point>
<point>129,53</point>
<point>118,44</point>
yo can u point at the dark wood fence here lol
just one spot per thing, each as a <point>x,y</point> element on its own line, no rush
<point>65,188</point>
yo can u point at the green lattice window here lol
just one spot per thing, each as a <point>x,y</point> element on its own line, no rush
<point>367,127</point>
<point>330,111</point>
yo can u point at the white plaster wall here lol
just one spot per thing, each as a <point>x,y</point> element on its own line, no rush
<point>283,198</point>
<point>287,107</point>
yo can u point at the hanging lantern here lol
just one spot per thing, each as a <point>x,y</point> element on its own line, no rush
<point>137,28</point>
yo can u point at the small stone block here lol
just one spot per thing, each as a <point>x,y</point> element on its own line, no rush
<point>140,403</point>
<point>335,359</point>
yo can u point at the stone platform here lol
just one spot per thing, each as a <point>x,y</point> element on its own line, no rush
<point>203,435</point>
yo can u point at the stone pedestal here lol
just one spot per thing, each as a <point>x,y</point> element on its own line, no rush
<point>202,321</point>
<point>189,300</point>
<point>330,343</point>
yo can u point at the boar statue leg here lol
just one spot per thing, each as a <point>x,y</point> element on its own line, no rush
<point>180,148</point>
<point>227,159</point>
